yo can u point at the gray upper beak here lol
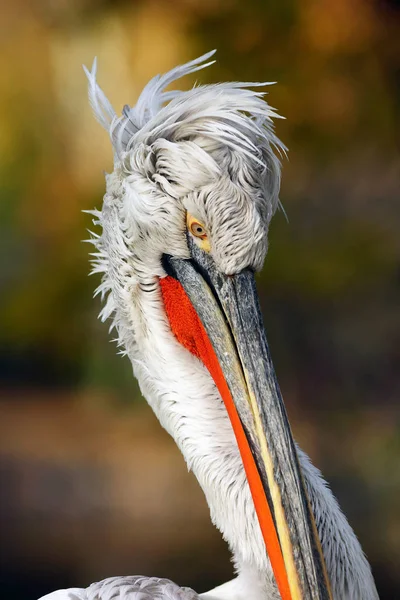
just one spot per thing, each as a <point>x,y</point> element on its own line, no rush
<point>229,311</point>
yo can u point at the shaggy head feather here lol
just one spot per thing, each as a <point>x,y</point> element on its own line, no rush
<point>208,150</point>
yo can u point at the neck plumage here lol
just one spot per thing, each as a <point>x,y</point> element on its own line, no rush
<point>184,398</point>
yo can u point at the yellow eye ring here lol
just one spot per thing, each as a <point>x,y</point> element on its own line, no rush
<point>198,231</point>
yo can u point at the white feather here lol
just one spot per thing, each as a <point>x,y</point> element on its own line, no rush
<point>209,150</point>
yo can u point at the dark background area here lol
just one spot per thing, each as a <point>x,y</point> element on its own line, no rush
<point>90,485</point>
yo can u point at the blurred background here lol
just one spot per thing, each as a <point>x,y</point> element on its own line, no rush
<point>91,486</point>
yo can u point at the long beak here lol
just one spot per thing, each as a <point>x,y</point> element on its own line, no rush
<point>228,309</point>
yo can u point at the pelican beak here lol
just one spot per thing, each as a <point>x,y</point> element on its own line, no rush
<point>228,309</point>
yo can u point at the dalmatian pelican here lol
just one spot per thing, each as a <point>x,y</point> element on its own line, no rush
<point>184,225</point>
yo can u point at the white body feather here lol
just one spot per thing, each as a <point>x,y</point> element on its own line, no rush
<point>210,140</point>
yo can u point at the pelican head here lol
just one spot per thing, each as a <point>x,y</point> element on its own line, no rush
<point>184,231</point>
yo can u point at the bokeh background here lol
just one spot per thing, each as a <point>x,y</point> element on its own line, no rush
<point>91,486</point>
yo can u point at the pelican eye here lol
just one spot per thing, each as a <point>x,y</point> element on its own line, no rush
<point>198,230</point>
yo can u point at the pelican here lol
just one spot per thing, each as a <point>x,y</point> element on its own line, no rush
<point>184,225</point>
